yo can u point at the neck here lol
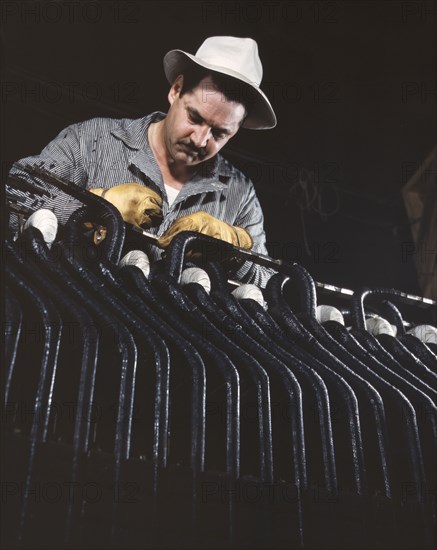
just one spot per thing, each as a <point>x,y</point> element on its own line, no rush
<point>173,173</point>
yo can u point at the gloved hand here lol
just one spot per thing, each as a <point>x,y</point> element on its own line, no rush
<point>138,205</point>
<point>208,225</point>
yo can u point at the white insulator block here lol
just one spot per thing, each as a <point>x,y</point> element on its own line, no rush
<point>425,333</point>
<point>329,313</point>
<point>249,292</point>
<point>378,325</point>
<point>46,221</point>
<point>137,258</point>
<point>196,275</point>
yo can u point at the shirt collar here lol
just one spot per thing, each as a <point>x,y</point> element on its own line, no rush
<point>134,132</point>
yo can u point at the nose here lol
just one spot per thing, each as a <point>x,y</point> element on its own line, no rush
<point>200,136</point>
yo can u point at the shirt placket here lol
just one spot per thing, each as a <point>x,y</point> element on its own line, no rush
<point>188,191</point>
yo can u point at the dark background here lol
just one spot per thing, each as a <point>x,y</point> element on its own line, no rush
<point>352,83</point>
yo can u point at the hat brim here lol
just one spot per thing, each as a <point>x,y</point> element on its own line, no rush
<point>261,115</point>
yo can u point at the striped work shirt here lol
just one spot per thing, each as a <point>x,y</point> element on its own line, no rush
<point>104,152</point>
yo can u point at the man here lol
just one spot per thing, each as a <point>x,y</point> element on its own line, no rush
<point>174,157</point>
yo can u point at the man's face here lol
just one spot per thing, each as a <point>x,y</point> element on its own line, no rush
<point>199,123</point>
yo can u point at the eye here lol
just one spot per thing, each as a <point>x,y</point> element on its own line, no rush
<point>193,119</point>
<point>218,135</point>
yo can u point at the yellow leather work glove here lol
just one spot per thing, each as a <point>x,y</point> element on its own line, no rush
<point>138,205</point>
<point>208,225</point>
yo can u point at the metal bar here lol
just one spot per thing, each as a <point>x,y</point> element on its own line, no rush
<point>248,255</point>
<point>403,297</point>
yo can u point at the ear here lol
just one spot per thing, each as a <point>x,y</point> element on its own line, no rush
<point>175,89</point>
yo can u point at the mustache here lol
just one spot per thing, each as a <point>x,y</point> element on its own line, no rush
<point>201,152</point>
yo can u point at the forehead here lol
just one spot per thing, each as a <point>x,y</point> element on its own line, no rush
<point>213,106</point>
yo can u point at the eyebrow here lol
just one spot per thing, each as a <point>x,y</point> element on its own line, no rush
<point>196,115</point>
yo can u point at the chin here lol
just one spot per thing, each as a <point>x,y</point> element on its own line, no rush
<point>183,158</point>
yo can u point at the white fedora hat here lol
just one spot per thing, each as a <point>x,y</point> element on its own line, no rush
<point>237,58</point>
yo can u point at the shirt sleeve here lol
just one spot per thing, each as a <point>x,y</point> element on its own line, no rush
<point>62,157</point>
<point>251,218</point>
